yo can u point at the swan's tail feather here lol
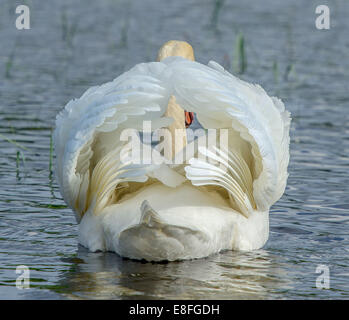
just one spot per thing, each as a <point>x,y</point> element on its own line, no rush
<point>149,216</point>
<point>154,239</point>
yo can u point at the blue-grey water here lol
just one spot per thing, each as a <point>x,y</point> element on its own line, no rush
<point>73,45</point>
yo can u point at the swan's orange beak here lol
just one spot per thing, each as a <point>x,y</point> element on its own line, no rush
<point>189,118</point>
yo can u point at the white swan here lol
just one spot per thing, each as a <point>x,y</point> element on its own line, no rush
<point>217,200</point>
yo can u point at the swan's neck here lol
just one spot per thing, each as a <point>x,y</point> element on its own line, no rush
<point>174,111</point>
<point>177,128</point>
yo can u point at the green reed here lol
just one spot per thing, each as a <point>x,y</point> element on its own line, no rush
<point>51,155</point>
<point>68,29</point>
<point>240,61</point>
<point>218,4</point>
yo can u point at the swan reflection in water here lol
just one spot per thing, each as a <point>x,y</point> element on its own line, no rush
<point>229,275</point>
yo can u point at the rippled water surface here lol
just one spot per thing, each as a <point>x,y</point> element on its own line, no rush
<point>73,45</point>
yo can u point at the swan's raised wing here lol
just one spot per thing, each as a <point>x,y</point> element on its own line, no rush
<point>258,125</point>
<point>88,133</point>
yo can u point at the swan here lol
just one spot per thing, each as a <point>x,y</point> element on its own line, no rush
<point>217,198</point>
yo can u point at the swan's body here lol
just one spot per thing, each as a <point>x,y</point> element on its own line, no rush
<point>173,211</point>
<point>201,224</point>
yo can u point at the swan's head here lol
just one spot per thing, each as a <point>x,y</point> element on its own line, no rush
<point>176,48</point>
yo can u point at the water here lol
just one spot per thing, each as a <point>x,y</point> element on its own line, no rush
<point>73,45</point>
